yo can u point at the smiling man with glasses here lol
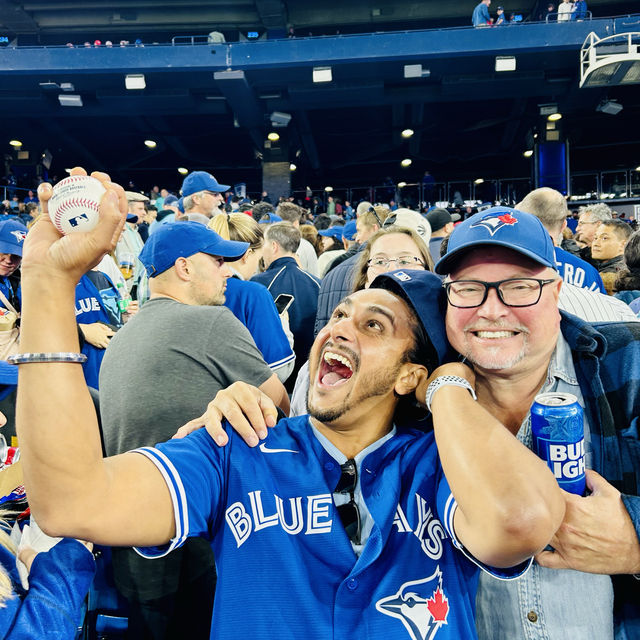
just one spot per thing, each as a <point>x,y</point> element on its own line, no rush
<point>503,318</point>
<point>347,523</point>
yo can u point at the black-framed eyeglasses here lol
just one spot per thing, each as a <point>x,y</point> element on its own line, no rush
<point>513,292</point>
<point>349,512</point>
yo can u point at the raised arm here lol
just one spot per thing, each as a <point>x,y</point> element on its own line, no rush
<point>72,490</point>
<point>509,503</point>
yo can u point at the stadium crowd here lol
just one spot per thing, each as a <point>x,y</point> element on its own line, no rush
<point>398,492</point>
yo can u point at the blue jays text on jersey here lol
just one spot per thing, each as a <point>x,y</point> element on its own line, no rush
<point>278,540</point>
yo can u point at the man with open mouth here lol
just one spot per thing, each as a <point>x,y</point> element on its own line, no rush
<point>343,523</point>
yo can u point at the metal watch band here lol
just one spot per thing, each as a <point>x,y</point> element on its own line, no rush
<point>442,381</point>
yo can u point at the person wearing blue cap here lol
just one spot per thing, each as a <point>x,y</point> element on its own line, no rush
<point>158,371</point>
<point>339,524</point>
<point>333,247</point>
<point>503,317</point>
<point>202,193</point>
<point>12,236</point>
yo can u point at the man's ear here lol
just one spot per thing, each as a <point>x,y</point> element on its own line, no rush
<point>182,269</point>
<point>409,378</point>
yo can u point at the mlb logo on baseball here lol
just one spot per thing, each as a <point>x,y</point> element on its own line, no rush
<point>74,204</point>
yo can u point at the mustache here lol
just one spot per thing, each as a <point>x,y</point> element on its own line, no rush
<point>495,326</point>
<point>352,355</point>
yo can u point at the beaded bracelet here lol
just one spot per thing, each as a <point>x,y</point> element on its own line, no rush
<point>61,356</point>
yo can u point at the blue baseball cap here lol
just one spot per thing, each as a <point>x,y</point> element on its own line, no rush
<point>170,200</point>
<point>201,181</point>
<point>132,217</point>
<point>272,218</point>
<point>503,227</point>
<point>12,235</point>
<point>183,239</point>
<point>332,232</point>
<point>424,293</point>
<point>349,230</point>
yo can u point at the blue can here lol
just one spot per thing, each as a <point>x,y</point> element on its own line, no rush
<point>557,427</point>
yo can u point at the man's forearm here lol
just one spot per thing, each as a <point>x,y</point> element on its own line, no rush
<point>57,425</point>
<point>508,498</point>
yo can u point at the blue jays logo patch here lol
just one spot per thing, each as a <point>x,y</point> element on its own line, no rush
<point>494,223</point>
<point>420,605</point>
<point>19,235</point>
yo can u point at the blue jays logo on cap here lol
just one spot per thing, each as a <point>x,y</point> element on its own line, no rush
<point>402,276</point>
<point>19,235</point>
<point>494,223</point>
<point>420,605</point>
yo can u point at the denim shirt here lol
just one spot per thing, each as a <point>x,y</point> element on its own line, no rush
<point>548,604</point>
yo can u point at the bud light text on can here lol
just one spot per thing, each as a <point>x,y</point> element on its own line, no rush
<point>557,427</point>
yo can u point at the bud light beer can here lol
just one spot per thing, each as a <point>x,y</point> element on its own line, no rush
<point>557,427</point>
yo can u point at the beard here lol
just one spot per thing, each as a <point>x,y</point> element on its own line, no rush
<point>372,385</point>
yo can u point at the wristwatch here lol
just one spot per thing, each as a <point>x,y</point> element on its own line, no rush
<point>442,381</point>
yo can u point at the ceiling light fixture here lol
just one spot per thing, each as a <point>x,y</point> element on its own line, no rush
<point>401,184</point>
<point>273,136</point>
<point>554,117</point>
<point>406,162</point>
<point>505,63</point>
<point>182,171</point>
<point>407,133</point>
<point>322,74</point>
<point>135,81</point>
<point>292,167</point>
<point>69,100</point>
<point>478,181</point>
<point>328,189</point>
<point>528,153</point>
<point>152,144</point>
<point>15,143</point>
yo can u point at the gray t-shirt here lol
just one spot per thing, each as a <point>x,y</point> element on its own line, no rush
<point>164,367</point>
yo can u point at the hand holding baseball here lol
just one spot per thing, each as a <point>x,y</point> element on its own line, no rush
<point>70,256</point>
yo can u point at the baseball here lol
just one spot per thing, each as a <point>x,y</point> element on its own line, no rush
<point>73,206</point>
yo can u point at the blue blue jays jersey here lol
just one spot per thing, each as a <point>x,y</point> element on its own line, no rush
<point>286,568</point>
<point>253,305</point>
<point>577,271</point>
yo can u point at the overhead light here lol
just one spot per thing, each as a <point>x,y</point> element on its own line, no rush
<point>638,168</point>
<point>528,153</point>
<point>280,119</point>
<point>15,143</point>
<point>182,171</point>
<point>548,108</point>
<point>322,74</point>
<point>554,117</point>
<point>67,86</point>
<point>152,144</point>
<point>406,162</point>
<point>70,100</point>
<point>273,136</point>
<point>612,107</point>
<point>415,71</point>
<point>407,133</point>
<point>328,189</point>
<point>401,184</point>
<point>478,181</point>
<point>292,167</point>
<point>135,81</point>
<point>505,63</point>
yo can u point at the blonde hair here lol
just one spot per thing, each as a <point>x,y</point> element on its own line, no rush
<point>360,275</point>
<point>238,227</point>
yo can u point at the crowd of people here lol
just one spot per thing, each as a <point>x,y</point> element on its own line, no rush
<point>366,465</point>
<point>566,11</point>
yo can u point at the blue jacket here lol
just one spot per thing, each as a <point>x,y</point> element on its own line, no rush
<point>285,276</point>
<point>607,363</point>
<point>58,583</point>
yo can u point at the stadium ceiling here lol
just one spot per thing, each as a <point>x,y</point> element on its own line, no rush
<point>468,119</point>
